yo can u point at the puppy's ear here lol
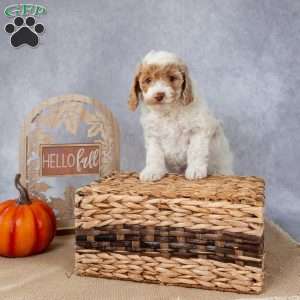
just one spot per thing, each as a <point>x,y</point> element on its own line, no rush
<point>187,89</point>
<point>135,91</point>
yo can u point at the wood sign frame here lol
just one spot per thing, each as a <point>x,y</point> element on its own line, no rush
<point>81,138</point>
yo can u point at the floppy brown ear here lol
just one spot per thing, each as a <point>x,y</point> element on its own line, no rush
<point>134,91</point>
<point>187,89</point>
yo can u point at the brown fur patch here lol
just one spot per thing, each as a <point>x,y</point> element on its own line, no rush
<point>134,91</point>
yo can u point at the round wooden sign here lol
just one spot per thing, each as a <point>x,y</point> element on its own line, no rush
<point>67,142</point>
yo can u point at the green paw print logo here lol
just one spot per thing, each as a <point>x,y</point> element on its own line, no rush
<point>24,29</point>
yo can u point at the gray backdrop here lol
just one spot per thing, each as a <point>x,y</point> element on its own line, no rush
<point>244,55</point>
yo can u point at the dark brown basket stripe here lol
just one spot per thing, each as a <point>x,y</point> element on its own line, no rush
<point>168,241</point>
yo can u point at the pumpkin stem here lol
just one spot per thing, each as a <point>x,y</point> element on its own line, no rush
<point>24,197</point>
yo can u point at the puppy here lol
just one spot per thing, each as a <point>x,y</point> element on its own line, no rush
<point>181,135</point>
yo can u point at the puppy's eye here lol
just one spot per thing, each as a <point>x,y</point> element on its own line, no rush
<point>172,78</point>
<point>147,80</point>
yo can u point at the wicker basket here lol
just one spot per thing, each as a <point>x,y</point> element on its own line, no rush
<point>205,233</point>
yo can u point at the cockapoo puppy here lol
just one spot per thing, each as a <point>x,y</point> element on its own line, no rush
<point>181,134</point>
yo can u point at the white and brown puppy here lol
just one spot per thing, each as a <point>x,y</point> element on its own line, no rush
<point>181,135</point>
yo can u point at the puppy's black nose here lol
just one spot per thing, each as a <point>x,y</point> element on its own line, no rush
<point>159,97</point>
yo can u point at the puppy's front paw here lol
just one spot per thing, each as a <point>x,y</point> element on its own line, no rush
<point>195,172</point>
<point>151,174</point>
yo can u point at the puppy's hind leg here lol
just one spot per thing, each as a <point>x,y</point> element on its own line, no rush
<point>220,157</point>
<point>223,169</point>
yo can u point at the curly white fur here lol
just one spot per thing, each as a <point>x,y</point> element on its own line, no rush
<point>182,138</point>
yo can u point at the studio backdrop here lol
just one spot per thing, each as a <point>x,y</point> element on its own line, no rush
<point>243,54</point>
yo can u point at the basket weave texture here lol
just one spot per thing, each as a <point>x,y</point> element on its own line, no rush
<point>204,233</point>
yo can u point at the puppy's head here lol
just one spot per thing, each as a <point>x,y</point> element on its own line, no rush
<point>161,80</point>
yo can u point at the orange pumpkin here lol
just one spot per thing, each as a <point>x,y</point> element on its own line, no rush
<point>27,225</point>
